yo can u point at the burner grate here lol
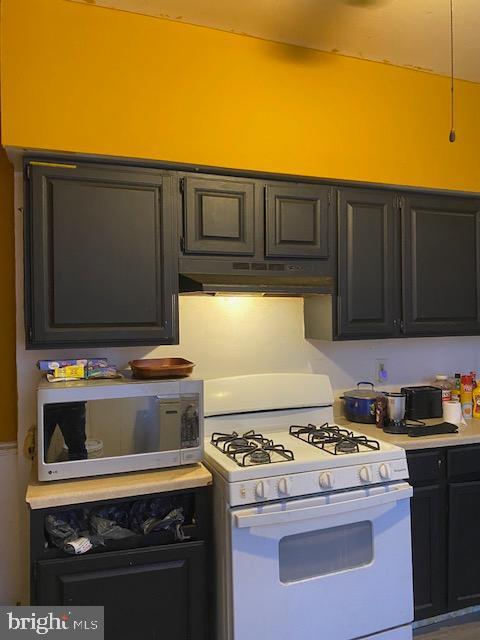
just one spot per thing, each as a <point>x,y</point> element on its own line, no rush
<point>250,448</point>
<point>332,439</point>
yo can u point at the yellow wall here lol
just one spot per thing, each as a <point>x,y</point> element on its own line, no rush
<point>8,383</point>
<point>81,78</point>
<point>8,386</point>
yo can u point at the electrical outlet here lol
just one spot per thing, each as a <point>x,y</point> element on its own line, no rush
<point>381,370</point>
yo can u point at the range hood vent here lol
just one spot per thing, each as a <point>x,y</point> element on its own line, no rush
<point>262,284</point>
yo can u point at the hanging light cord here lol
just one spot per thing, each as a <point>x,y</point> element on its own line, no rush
<point>452,136</point>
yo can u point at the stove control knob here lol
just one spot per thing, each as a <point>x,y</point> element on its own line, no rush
<point>365,474</point>
<point>384,471</point>
<point>326,480</point>
<point>284,485</point>
<point>262,489</point>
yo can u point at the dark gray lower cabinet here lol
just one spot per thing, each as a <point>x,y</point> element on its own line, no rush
<point>464,562</point>
<point>368,296</point>
<point>445,526</point>
<point>157,592</point>
<point>150,585</point>
<point>428,512</point>
<point>441,265</point>
<point>463,466</point>
<point>101,256</point>
<point>428,551</point>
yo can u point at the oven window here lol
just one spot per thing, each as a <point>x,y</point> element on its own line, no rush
<point>317,553</point>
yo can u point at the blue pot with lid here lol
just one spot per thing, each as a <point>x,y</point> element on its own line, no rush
<point>359,403</point>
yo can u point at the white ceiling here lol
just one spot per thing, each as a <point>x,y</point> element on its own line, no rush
<point>408,33</point>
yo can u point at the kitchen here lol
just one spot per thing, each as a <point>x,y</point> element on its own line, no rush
<point>93,113</point>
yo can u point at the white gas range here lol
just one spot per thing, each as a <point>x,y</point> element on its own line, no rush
<point>312,521</point>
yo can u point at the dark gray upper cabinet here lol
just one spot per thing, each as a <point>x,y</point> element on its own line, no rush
<point>441,246</point>
<point>297,221</point>
<point>219,216</point>
<point>368,264</point>
<point>414,273</point>
<point>100,256</point>
<point>102,261</point>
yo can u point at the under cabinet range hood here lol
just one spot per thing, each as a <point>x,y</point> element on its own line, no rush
<point>298,281</point>
<point>218,285</point>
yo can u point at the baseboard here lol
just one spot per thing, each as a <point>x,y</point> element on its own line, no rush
<point>7,447</point>
<point>446,616</point>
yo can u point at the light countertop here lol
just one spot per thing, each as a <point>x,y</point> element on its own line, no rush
<point>63,492</point>
<point>466,435</point>
<point>41,495</point>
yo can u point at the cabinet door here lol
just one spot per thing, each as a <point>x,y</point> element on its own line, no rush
<point>463,558</point>
<point>158,592</point>
<point>297,221</point>
<point>100,258</point>
<point>441,265</point>
<point>368,264</point>
<point>219,216</point>
<point>428,550</point>
<point>429,523</point>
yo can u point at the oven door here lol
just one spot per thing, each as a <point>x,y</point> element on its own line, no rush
<point>335,566</point>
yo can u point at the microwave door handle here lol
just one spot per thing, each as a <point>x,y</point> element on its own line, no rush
<point>320,511</point>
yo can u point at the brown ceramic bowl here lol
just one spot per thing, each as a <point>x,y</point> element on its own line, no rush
<point>157,368</point>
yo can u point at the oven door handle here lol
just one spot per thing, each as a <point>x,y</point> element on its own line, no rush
<point>293,515</point>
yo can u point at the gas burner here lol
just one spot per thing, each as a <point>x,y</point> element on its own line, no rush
<point>265,454</point>
<point>228,442</point>
<point>259,456</point>
<point>250,448</point>
<point>347,446</point>
<point>236,443</point>
<point>318,433</point>
<point>333,439</point>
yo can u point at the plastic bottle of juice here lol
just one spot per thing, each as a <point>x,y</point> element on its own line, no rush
<point>476,402</point>
<point>456,388</point>
<point>466,395</point>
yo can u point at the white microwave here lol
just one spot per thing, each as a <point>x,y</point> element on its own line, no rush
<point>113,426</point>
